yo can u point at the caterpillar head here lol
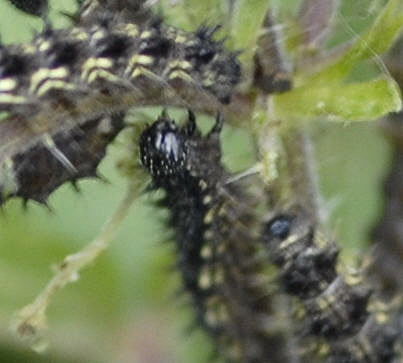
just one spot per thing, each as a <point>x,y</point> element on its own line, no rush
<point>173,153</point>
<point>163,148</point>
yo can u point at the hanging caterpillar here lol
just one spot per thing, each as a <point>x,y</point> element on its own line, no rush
<point>214,223</point>
<point>66,80</point>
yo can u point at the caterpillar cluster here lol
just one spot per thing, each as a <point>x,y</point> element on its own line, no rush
<point>64,80</point>
<point>65,95</point>
<point>220,258</point>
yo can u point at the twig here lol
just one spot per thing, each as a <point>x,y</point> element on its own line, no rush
<point>30,323</point>
<point>302,173</point>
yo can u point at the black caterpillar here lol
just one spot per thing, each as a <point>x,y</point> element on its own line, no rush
<point>335,308</point>
<point>214,222</point>
<point>71,80</point>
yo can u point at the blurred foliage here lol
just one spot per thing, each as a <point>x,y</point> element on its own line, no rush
<point>323,94</point>
<point>361,101</point>
<point>123,308</point>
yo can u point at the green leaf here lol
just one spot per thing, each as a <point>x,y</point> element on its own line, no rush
<point>339,102</point>
<point>377,40</point>
<point>203,11</point>
<point>247,21</point>
<point>190,14</point>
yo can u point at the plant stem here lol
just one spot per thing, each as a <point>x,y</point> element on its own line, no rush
<point>30,323</point>
<point>301,170</point>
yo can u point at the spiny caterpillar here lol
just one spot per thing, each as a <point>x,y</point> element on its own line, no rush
<point>64,80</point>
<point>336,309</point>
<point>214,222</point>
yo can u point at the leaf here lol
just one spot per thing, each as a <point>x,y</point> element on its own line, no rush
<point>362,101</point>
<point>316,20</point>
<point>377,40</point>
<point>190,14</point>
<point>246,23</point>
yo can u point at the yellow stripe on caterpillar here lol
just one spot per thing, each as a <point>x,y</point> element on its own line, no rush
<point>289,241</point>
<point>12,99</point>
<point>44,74</point>
<point>208,218</point>
<point>142,71</point>
<point>29,48</point>
<point>129,29</point>
<point>53,85</point>
<point>144,60</point>
<point>7,84</point>
<point>146,34</point>
<point>180,38</point>
<point>79,34</point>
<point>182,66</point>
<point>181,74</point>
<point>99,34</point>
<point>44,45</point>
<point>92,64</point>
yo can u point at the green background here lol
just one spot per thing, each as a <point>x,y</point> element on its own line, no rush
<point>124,308</point>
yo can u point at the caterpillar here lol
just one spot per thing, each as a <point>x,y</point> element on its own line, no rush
<point>214,223</point>
<point>334,308</point>
<point>70,80</point>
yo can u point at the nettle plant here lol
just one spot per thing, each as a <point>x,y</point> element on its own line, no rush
<point>254,250</point>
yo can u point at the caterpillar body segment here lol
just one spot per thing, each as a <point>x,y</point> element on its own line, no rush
<point>38,171</point>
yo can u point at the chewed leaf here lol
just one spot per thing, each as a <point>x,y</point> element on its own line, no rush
<point>377,40</point>
<point>339,102</point>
